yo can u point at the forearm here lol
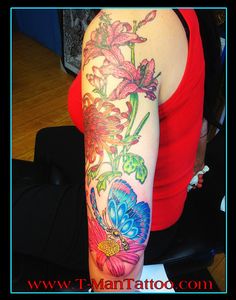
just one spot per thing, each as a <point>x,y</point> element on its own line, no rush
<point>201,150</point>
<point>117,244</point>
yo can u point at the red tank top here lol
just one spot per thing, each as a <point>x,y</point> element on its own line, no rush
<point>180,126</point>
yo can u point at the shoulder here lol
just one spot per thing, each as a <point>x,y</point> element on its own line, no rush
<point>162,30</point>
<point>162,22</point>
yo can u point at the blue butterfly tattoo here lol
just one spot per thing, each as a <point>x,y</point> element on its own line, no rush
<point>126,217</point>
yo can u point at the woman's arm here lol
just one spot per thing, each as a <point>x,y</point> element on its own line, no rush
<point>200,155</point>
<point>201,150</point>
<point>120,86</point>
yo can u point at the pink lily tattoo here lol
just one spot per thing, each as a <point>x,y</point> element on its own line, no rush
<point>107,128</point>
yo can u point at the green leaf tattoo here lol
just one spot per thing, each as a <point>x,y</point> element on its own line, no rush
<point>141,173</point>
<point>92,173</point>
<point>135,163</point>
<point>105,178</point>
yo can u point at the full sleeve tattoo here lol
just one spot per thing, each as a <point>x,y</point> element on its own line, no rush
<point>118,232</point>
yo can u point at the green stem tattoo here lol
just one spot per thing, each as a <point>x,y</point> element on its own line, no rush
<point>134,96</point>
<point>134,104</point>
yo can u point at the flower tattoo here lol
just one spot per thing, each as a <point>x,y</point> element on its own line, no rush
<point>108,129</point>
<point>108,253</point>
<point>104,125</point>
<point>109,35</point>
<point>140,80</point>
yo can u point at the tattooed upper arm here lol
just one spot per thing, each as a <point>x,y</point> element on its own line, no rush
<point>120,106</point>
